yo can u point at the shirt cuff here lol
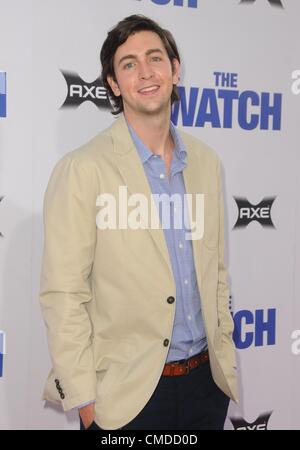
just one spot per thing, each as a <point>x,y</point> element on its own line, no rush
<point>84,404</point>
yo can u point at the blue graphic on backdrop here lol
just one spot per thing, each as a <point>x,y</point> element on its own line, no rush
<point>256,328</point>
<point>225,106</point>
<point>188,3</point>
<point>2,351</point>
<point>2,94</point>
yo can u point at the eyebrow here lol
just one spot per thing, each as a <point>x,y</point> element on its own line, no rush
<point>148,52</point>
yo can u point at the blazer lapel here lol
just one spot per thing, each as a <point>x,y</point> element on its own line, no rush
<point>133,174</point>
<point>191,176</point>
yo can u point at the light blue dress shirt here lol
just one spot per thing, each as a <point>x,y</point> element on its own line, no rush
<point>188,337</point>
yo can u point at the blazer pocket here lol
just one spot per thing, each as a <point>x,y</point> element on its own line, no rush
<point>110,378</point>
<point>110,367</point>
<point>211,220</point>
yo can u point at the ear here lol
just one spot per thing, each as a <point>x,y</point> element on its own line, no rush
<point>175,70</point>
<point>114,85</point>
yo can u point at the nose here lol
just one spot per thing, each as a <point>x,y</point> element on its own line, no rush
<point>145,71</point>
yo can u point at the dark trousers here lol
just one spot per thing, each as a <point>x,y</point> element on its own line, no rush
<point>182,402</point>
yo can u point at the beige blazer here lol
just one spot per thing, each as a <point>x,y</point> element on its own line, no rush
<point>104,293</point>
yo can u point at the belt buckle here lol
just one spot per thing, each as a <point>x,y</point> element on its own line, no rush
<point>187,366</point>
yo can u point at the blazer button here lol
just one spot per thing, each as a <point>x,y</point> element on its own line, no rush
<point>56,382</point>
<point>166,342</point>
<point>62,396</point>
<point>171,299</point>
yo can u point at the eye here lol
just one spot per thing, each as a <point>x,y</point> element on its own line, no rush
<point>156,58</point>
<point>128,65</point>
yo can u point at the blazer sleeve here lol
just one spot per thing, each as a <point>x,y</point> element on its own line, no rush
<point>65,288</point>
<point>225,318</point>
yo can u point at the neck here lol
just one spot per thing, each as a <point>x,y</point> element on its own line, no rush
<point>153,130</point>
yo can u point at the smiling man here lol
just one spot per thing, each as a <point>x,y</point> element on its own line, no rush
<point>139,329</point>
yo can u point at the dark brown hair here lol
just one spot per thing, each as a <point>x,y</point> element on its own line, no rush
<point>117,36</point>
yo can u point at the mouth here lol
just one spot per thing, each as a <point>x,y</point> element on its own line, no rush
<point>150,90</point>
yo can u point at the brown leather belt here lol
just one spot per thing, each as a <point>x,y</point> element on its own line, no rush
<point>183,367</point>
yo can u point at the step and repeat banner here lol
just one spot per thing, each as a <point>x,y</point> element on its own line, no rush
<point>239,93</point>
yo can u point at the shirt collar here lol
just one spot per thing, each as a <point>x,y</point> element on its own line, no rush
<point>144,152</point>
<point>179,144</point>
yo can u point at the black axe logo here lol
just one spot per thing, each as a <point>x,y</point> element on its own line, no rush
<point>277,3</point>
<point>248,212</point>
<point>79,91</point>
<point>261,423</point>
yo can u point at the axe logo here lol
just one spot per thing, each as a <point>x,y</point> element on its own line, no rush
<point>261,423</point>
<point>248,212</point>
<point>272,2</point>
<point>79,91</point>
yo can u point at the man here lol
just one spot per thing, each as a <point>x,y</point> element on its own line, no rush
<point>139,329</point>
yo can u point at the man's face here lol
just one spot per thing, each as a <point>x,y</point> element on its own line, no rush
<point>144,75</point>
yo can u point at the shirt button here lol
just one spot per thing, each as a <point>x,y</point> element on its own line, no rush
<point>190,317</point>
<point>180,245</point>
<point>161,175</point>
<point>185,281</point>
<point>191,350</point>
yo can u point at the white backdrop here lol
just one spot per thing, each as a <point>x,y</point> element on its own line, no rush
<point>254,40</point>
